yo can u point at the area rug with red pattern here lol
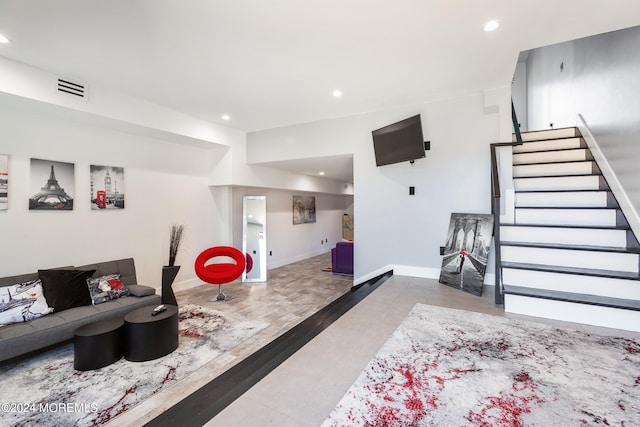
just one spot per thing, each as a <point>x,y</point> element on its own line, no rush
<point>45,390</point>
<point>446,367</point>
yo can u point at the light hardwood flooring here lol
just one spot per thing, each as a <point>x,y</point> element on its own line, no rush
<point>291,294</point>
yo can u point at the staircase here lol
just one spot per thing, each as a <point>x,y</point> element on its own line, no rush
<point>570,254</point>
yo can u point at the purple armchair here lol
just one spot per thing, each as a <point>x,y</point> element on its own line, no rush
<point>342,258</point>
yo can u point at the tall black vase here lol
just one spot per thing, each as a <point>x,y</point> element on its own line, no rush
<point>169,274</point>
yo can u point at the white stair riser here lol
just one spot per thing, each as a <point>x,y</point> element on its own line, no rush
<point>570,236</point>
<point>546,169</point>
<point>571,258</point>
<point>574,283</point>
<point>552,144</point>
<point>572,312</point>
<point>564,199</point>
<point>550,156</point>
<point>548,134</point>
<point>577,217</point>
<point>591,182</point>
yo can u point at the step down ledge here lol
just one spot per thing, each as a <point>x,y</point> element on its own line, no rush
<point>601,301</point>
<point>572,270</point>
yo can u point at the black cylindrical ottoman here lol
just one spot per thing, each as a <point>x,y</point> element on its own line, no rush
<point>148,337</point>
<point>98,344</point>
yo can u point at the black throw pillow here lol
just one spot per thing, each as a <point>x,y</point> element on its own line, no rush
<point>64,289</point>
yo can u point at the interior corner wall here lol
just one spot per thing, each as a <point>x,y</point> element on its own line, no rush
<point>392,227</point>
<point>287,242</point>
<point>600,79</point>
<point>164,183</point>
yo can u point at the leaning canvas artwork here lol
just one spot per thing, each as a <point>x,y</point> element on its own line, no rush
<point>4,181</point>
<point>304,209</point>
<point>107,187</point>
<point>52,185</point>
<point>466,251</point>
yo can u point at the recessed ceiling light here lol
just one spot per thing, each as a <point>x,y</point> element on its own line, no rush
<point>320,173</point>
<point>337,93</point>
<point>491,26</point>
<point>226,117</point>
<point>4,39</point>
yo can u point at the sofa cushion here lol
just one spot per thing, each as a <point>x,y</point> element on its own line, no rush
<point>141,290</point>
<point>16,330</point>
<point>106,288</point>
<point>66,289</point>
<point>22,302</point>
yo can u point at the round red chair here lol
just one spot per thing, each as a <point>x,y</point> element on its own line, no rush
<point>220,273</point>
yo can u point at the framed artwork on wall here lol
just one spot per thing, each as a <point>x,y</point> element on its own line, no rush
<point>4,182</point>
<point>107,187</point>
<point>466,252</point>
<point>304,209</point>
<point>52,185</point>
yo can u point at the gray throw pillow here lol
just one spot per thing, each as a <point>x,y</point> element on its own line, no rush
<point>141,290</point>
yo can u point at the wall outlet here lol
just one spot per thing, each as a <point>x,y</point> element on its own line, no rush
<point>441,250</point>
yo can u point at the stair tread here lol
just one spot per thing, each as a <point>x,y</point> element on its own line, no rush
<point>569,207</point>
<point>557,176</point>
<point>591,248</point>
<point>563,191</point>
<point>573,297</point>
<point>523,134</point>
<point>549,150</point>
<point>587,227</point>
<point>551,162</point>
<point>573,270</point>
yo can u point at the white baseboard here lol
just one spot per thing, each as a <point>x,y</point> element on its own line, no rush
<point>186,284</point>
<point>300,257</point>
<point>422,272</point>
<point>412,271</point>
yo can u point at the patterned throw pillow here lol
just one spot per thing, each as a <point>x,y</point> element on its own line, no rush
<point>106,288</point>
<point>22,302</point>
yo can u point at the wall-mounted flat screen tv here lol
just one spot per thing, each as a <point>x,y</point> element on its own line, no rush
<point>399,142</point>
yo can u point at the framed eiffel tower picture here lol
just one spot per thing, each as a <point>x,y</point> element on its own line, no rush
<point>52,185</point>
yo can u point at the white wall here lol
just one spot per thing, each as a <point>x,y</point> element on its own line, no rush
<point>288,242</point>
<point>600,81</point>
<point>519,94</point>
<point>392,227</point>
<point>165,183</point>
<point>192,182</point>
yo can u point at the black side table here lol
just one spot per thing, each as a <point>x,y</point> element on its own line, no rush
<point>148,337</point>
<point>98,344</point>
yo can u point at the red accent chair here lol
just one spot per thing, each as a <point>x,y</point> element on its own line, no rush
<point>220,273</point>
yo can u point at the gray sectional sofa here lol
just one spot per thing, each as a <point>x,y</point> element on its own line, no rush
<point>21,338</point>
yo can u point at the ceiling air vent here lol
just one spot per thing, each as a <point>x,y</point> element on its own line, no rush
<point>72,88</point>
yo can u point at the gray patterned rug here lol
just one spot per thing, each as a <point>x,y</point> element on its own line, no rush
<point>45,390</point>
<point>445,367</point>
